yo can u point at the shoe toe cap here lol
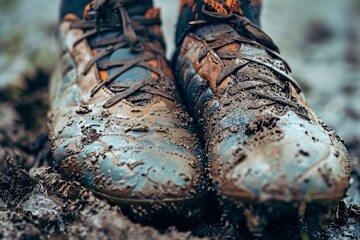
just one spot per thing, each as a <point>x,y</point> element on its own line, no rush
<point>307,162</point>
<point>130,170</point>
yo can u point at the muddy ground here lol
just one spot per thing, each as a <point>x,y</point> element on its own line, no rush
<point>320,40</point>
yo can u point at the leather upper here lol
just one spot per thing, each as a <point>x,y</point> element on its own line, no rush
<point>129,151</point>
<point>263,141</point>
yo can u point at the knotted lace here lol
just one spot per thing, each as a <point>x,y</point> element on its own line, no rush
<point>133,32</point>
<point>248,34</point>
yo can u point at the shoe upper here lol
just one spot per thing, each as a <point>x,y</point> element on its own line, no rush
<point>115,124</point>
<point>263,141</point>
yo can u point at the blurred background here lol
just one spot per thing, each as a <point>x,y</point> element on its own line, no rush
<point>320,39</point>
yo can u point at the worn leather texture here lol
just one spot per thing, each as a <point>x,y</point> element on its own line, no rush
<point>128,152</point>
<point>263,142</point>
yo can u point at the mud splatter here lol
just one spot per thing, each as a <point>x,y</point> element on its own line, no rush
<point>83,109</point>
<point>261,123</point>
<point>90,135</point>
<point>136,128</point>
<point>15,183</point>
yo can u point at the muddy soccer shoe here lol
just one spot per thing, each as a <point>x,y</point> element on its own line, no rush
<point>267,150</point>
<point>115,125</point>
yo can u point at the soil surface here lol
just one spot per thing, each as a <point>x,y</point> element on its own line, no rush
<point>321,42</point>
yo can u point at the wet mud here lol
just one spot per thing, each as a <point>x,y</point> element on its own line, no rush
<point>36,202</point>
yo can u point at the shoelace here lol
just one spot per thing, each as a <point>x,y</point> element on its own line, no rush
<point>134,35</point>
<point>248,34</point>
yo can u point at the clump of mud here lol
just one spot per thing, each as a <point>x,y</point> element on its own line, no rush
<point>260,124</point>
<point>15,184</point>
<point>45,206</point>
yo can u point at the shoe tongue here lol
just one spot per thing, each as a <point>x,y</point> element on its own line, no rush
<point>225,6</point>
<point>250,9</point>
<point>75,7</point>
<point>133,8</point>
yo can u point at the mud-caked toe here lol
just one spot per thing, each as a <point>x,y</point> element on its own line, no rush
<point>144,172</point>
<point>290,159</point>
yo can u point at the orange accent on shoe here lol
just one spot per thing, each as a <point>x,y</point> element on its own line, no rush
<point>103,75</point>
<point>194,7</point>
<point>225,7</point>
<point>86,10</point>
<point>152,13</point>
<point>219,7</point>
<point>229,2</point>
<point>70,17</point>
<point>155,63</point>
<point>235,7</point>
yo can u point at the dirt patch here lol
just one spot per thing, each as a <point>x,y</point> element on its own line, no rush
<point>261,123</point>
<point>15,184</point>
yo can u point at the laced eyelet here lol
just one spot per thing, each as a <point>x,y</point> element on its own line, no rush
<point>137,46</point>
<point>134,34</point>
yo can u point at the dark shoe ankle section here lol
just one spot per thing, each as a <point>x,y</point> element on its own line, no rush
<point>192,12</point>
<point>73,6</point>
<point>77,7</point>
